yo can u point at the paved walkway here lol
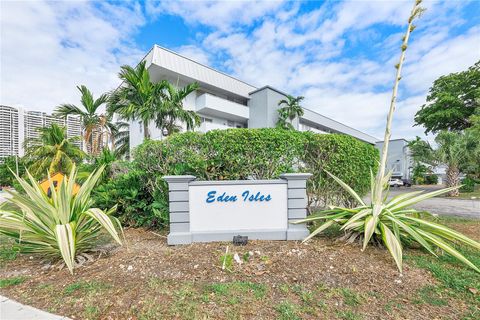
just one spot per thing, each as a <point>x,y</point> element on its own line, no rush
<point>12,310</point>
<point>443,206</point>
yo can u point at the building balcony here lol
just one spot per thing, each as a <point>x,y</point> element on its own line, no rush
<point>208,104</point>
<point>207,126</point>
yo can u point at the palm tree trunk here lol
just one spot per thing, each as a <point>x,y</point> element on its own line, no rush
<point>146,131</point>
<point>55,162</point>
<point>453,180</point>
<point>87,138</point>
<point>100,140</point>
<point>377,196</point>
<point>111,136</point>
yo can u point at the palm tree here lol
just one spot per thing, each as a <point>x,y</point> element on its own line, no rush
<point>290,111</point>
<point>105,159</point>
<point>138,98</point>
<point>52,151</point>
<point>91,120</point>
<point>120,139</point>
<point>454,150</point>
<point>173,107</point>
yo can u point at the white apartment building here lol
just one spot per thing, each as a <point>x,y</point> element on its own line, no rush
<point>18,125</point>
<point>9,133</point>
<point>399,160</point>
<point>223,101</point>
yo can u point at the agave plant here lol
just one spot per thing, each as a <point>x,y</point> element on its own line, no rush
<point>393,224</point>
<point>60,226</point>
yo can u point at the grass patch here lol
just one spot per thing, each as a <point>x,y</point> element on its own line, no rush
<point>287,311</point>
<point>350,298</point>
<point>431,295</point>
<point>469,195</point>
<point>348,315</point>
<point>9,250</point>
<point>91,287</point>
<point>186,304</point>
<point>226,261</point>
<point>456,280</point>
<point>237,289</point>
<point>9,282</point>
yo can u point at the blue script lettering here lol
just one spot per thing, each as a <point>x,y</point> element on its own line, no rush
<point>255,197</point>
<point>221,198</point>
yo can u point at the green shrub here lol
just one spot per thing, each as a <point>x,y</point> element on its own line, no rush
<point>419,172</point>
<point>468,184</point>
<point>136,206</point>
<point>431,179</point>
<point>142,194</point>
<point>8,165</point>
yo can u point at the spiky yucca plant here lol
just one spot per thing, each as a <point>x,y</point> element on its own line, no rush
<point>392,221</point>
<point>394,224</point>
<point>61,226</point>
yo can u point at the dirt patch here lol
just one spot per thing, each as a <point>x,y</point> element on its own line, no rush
<point>148,279</point>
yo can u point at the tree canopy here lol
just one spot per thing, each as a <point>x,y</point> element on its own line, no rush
<point>52,151</point>
<point>140,99</point>
<point>290,110</point>
<point>451,101</point>
<point>458,151</point>
<point>92,120</point>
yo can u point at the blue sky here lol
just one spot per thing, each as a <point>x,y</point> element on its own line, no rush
<point>338,54</point>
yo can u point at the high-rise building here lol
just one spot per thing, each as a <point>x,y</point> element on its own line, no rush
<point>9,132</point>
<point>18,125</point>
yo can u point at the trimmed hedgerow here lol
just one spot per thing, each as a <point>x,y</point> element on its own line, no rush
<point>251,154</point>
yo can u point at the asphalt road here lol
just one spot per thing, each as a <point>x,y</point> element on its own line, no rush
<point>443,206</point>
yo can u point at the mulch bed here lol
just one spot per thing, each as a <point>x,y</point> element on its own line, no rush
<point>147,279</point>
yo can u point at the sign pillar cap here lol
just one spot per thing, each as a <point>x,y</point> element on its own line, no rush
<point>179,179</point>
<point>295,176</point>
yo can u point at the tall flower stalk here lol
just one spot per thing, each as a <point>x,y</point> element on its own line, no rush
<point>377,194</point>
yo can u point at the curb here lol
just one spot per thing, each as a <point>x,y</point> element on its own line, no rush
<point>12,310</point>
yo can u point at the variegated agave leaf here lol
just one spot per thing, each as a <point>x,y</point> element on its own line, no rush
<point>62,226</point>
<point>391,221</point>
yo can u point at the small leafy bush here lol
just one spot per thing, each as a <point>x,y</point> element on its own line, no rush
<point>62,226</point>
<point>431,179</point>
<point>468,184</point>
<point>136,206</point>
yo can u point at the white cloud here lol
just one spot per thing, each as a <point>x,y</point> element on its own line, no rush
<point>50,47</point>
<point>223,15</point>
<point>444,56</point>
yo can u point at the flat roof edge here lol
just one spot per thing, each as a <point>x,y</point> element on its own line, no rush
<point>371,138</point>
<point>201,64</point>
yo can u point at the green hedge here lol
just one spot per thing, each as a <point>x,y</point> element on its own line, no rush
<point>252,154</point>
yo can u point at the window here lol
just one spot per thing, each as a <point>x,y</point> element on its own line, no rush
<point>230,123</point>
<point>202,119</point>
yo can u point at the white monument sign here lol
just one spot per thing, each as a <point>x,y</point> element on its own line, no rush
<point>202,211</point>
<point>241,207</point>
